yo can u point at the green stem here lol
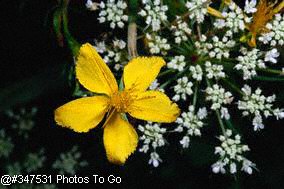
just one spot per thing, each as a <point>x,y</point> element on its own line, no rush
<point>226,63</point>
<point>230,125</point>
<point>221,122</point>
<point>166,84</point>
<point>72,43</point>
<point>229,60</point>
<point>166,72</point>
<point>195,94</point>
<point>222,5</point>
<point>268,70</point>
<point>57,26</point>
<point>222,126</point>
<point>133,10</point>
<point>265,78</point>
<point>174,78</point>
<point>234,87</point>
<point>132,29</point>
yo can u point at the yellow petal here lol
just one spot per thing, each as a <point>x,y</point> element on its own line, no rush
<point>154,106</point>
<point>120,139</point>
<point>140,72</point>
<point>82,114</point>
<point>93,73</point>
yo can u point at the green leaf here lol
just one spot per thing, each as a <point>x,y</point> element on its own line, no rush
<point>24,91</point>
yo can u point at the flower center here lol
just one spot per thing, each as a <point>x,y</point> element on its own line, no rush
<point>120,101</point>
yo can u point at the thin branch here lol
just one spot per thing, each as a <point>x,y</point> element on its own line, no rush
<point>132,40</point>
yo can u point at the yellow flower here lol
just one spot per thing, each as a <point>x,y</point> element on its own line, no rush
<point>265,12</point>
<point>120,138</point>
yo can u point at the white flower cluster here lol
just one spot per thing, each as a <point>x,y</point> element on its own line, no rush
<point>100,47</point>
<point>233,20</point>
<point>214,71</point>
<point>249,61</point>
<point>155,85</point>
<point>196,72</point>
<point>112,54</point>
<point>204,57</point>
<point>191,123</point>
<point>155,13</point>
<point>155,159</point>
<point>275,36</point>
<point>177,63</point>
<point>14,168</point>
<point>6,145</point>
<point>271,56</point>
<point>91,5</point>
<point>215,49</point>
<point>157,44</point>
<point>182,89</point>
<point>250,6</point>
<point>231,155</point>
<point>218,96</point>
<point>69,162</point>
<point>34,161</point>
<point>197,9</point>
<point>257,105</point>
<point>181,30</point>
<point>113,12</point>
<point>152,138</point>
<point>120,44</point>
<point>23,120</point>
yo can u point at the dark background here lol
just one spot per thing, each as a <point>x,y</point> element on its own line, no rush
<point>34,72</point>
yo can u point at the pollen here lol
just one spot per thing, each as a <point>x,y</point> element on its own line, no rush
<point>120,101</point>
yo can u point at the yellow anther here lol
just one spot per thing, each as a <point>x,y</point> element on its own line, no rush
<point>120,101</point>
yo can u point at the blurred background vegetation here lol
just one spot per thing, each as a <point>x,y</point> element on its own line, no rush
<point>36,65</point>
